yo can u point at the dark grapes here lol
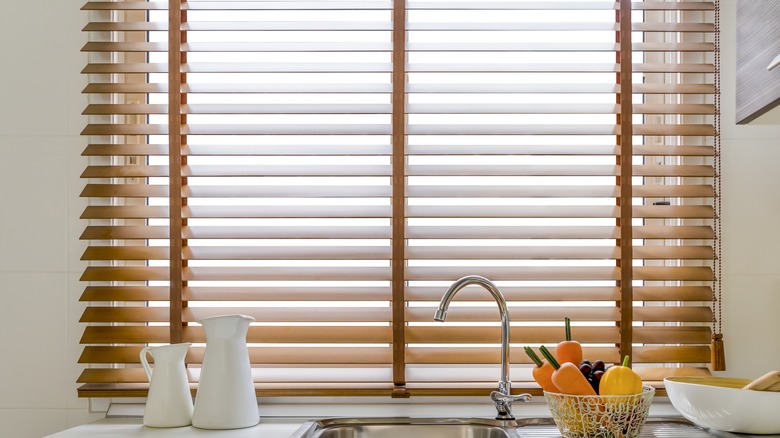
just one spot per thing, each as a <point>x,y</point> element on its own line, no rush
<point>593,372</point>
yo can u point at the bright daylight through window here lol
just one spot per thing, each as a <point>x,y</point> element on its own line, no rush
<point>331,167</point>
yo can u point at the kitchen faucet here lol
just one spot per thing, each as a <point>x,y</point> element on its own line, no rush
<point>502,398</point>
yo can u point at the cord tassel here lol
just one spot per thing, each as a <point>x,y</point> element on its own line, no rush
<point>718,353</point>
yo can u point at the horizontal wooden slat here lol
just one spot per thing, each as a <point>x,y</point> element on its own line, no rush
<point>287,293</point>
<point>287,253</point>
<point>124,68</point>
<point>511,47</point>
<point>673,6</point>
<point>690,129</point>
<point>511,129</point>
<point>285,211</point>
<point>143,47</point>
<point>673,293</point>
<point>102,150</point>
<point>552,335</point>
<point>126,5</point>
<point>456,355</point>
<point>493,87</point>
<point>644,108</point>
<point>335,108</point>
<point>285,274</point>
<point>125,314</point>
<point>649,26</point>
<point>511,170</point>
<point>673,47</point>
<point>278,232</point>
<point>288,47</point>
<point>286,170</point>
<point>126,129</point>
<point>579,293</point>
<point>668,335</point>
<point>552,314</point>
<point>499,211</point>
<point>283,129</point>
<point>161,293</point>
<point>508,108</point>
<point>554,252</point>
<point>558,5</point>
<point>519,26</point>
<point>509,232</point>
<point>125,293</point>
<point>124,273</point>
<point>266,314</point>
<point>511,68</point>
<point>282,87</point>
<point>135,109</point>
<point>287,150</point>
<point>125,26</point>
<point>703,151</point>
<point>142,171</point>
<point>528,273</point>
<point>673,88</point>
<point>126,253</point>
<point>291,191</point>
<point>125,88</point>
<point>276,67</point>
<point>124,191</point>
<point>99,232</point>
<point>510,191</point>
<point>489,335</point>
<point>673,273</point>
<point>125,335</point>
<point>666,354</point>
<point>340,389</point>
<point>287,6</point>
<point>673,68</point>
<point>124,212</point>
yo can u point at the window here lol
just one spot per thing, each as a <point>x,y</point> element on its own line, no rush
<point>330,167</point>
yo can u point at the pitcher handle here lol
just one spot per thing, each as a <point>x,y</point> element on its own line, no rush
<point>145,363</point>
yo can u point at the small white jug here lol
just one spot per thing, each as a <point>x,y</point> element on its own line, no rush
<point>169,403</point>
<point>226,392</point>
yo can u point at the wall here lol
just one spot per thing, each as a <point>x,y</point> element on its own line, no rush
<point>751,236</point>
<point>40,106</point>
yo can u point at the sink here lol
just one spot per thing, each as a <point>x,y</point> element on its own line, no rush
<point>399,427</point>
<point>410,428</point>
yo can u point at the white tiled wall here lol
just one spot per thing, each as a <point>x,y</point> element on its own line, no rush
<point>40,121</point>
<point>40,105</point>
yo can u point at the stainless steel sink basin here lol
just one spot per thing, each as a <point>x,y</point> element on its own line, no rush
<point>408,428</point>
<point>478,428</point>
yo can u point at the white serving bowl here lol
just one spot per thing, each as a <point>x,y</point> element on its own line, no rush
<point>720,403</point>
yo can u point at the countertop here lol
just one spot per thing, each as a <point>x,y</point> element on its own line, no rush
<point>282,417</point>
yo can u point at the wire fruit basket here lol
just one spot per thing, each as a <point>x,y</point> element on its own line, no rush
<point>593,416</point>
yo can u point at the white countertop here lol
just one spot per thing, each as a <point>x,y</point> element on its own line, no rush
<point>282,417</point>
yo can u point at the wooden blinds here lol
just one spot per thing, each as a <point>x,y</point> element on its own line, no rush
<point>331,167</point>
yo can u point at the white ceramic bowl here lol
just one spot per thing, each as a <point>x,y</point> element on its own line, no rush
<point>720,403</point>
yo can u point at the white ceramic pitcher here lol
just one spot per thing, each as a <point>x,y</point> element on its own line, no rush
<point>169,403</point>
<point>226,392</point>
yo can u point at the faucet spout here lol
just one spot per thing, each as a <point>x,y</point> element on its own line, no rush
<point>503,397</point>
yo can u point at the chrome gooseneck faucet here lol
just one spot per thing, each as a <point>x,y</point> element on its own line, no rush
<point>502,398</point>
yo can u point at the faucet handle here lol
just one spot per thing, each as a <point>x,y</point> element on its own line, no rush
<point>503,403</point>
